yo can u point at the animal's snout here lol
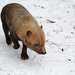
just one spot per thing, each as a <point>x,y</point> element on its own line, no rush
<point>43,50</point>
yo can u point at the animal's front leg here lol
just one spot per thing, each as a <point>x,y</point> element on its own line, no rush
<point>15,41</point>
<point>24,55</point>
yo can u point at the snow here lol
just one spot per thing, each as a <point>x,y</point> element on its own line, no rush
<point>60,40</point>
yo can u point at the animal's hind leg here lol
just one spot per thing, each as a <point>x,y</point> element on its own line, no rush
<point>15,41</point>
<point>6,31</point>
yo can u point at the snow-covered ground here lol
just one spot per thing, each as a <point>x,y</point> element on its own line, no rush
<point>60,40</point>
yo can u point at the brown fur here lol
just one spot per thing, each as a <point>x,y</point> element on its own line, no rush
<point>22,26</point>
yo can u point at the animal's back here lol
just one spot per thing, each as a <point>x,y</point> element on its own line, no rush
<point>16,16</point>
<point>14,9</point>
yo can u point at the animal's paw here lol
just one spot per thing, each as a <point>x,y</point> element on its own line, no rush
<point>16,46</point>
<point>24,57</point>
<point>8,42</point>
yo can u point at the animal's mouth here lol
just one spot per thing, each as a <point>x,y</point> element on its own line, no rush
<point>43,53</point>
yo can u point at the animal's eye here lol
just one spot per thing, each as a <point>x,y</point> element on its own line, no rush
<point>36,45</point>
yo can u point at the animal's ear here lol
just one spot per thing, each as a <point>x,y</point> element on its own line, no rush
<point>41,26</point>
<point>28,33</point>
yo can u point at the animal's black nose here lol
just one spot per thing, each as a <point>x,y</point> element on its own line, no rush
<point>43,52</point>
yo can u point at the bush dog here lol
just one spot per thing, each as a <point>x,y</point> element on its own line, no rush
<point>19,24</point>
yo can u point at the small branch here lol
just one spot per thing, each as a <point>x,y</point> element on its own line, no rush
<point>50,21</point>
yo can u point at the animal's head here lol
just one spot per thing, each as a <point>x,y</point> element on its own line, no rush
<point>35,40</point>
